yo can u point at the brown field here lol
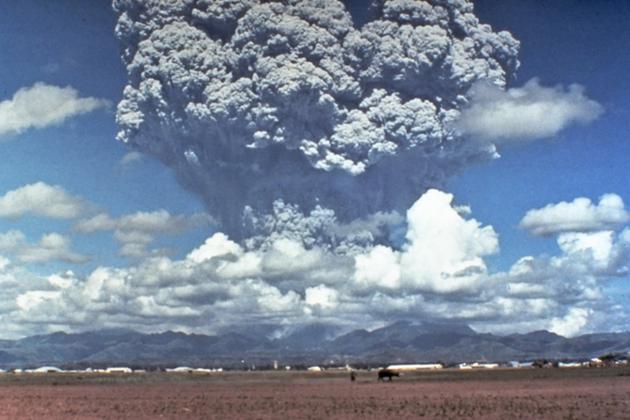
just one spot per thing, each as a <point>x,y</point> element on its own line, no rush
<point>505,394</point>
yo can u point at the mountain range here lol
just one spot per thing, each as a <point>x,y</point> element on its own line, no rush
<point>400,342</point>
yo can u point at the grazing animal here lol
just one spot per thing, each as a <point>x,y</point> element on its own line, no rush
<point>387,373</point>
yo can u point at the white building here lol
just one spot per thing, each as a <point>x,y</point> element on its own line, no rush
<point>314,369</point>
<point>118,369</point>
<point>411,368</point>
<point>477,365</point>
<point>569,364</point>
<point>180,369</point>
<point>47,369</point>
<point>522,364</point>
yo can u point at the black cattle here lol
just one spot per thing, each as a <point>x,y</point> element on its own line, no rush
<point>387,373</point>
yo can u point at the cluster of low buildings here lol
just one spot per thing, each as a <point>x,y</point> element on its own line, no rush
<point>478,365</point>
<point>112,370</point>
<point>608,360</point>
<point>185,369</point>
<point>412,367</point>
<point>619,360</point>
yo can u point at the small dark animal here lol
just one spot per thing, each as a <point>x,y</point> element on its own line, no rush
<point>353,376</point>
<point>387,373</point>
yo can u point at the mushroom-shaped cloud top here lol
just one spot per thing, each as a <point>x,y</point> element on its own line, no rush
<point>252,101</point>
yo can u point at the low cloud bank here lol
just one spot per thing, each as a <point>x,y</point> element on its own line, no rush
<point>438,272</point>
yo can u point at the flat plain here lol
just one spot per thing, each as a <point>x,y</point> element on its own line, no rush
<point>583,393</point>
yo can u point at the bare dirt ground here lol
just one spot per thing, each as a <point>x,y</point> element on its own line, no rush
<point>507,394</point>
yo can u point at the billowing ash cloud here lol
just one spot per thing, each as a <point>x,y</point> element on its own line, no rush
<point>252,101</point>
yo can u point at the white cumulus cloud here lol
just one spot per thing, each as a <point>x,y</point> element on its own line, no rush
<point>579,215</point>
<point>526,113</point>
<point>41,105</point>
<point>571,323</point>
<point>41,199</point>
<point>443,252</point>
<point>439,271</point>
<point>598,244</point>
<point>50,247</point>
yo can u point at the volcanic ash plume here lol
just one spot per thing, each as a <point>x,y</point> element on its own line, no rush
<point>253,101</point>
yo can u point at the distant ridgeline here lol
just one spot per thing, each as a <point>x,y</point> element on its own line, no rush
<point>401,342</point>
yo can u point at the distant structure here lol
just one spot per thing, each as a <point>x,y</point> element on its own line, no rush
<point>47,369</point>
<point>118,369</point>
<point>477,365</point>
<point>569,364</point>
<point>314,369</point>
<point>520,365</point>
<point>411,368</point>
<point>180,369</point>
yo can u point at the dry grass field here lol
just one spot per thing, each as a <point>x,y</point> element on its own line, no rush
<point>501,394</point>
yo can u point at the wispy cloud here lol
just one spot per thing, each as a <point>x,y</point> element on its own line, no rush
<point>135,232</point>
<point>131,158</point>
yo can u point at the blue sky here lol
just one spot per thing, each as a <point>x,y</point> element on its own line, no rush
<point>74,46</point>
<point>71,43</point>
<point>561,43</point>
